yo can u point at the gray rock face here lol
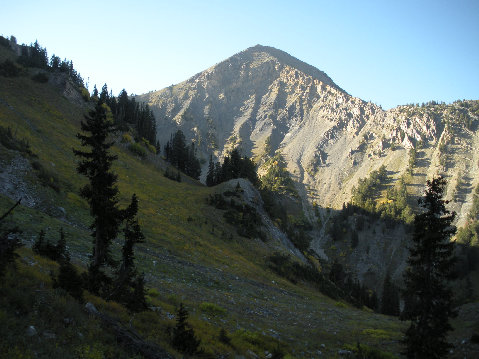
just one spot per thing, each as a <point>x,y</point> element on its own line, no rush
<point>328,138</point>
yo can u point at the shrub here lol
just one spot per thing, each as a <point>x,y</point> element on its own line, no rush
<point>172,176</point>
<point>69,279</point>
<point>85,94</point>
<point>366,352</point>
<point>57,252</point>
<point>223,337</point>
<point>8,244</point>
<point>212,309</point>
<point>126,138</point>
<point>47,176</point>
<point>10,69</point>
<point>4,42</point>
<point>40,77</point>
<point>10,141</point>
<point>149,146</point>
<point>137,149</point>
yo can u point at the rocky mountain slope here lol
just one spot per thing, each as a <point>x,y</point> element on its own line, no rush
<point>329,138</point>
<point>264,101</point>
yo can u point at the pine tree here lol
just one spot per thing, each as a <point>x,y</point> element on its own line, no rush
<point>69,279</point>
<point>101,191</point>
<point>104,97</point>
<point>39,242</point>
<point>129,285</point>
<point>390,298</point>
<point>9,243</point>
<point>94,94</point>
<point>183,338</point>
<point>430,266</point>
<point>178,151</point>
<point>61,248</point>
<point>210,176</point>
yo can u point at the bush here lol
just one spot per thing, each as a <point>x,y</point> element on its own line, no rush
<point>137,149</point>
<point>47,176</point>
<point>4,42</point>
<point>8,244</point>
<point>85,94</point>
<point>40,77</point>
<point>212,309</point>
<point>149,146</point>
<point>57,252</point>
<point>10,69</point>
<point>172,176</point>
<point>9,140</point>
<point>223,337</point>
<point>126,138</point>
<point>362,351</point>
<point>69,280</point>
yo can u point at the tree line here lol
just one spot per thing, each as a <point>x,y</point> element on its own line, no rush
<point>234,166</point>
<point>127,112</point>
<point>182,156</point>
<point>36,56</point>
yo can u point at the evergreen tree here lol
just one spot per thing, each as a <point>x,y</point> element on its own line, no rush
<point>55,62</point>
<point>336,275</point>
<point>129,285</point>
<point>430,266</point>
<point>390,298</point>
<point>9,243</point>
<point>61,248</point>
<point>168,151</point>
<point>183,336</point>
<point>39,242</point>
<point>181,156</point>
<point>104,97</point>
<point>69,279</point>
<point>218,174</point>
<point>373,301</point>
<point>193,167</point>
<point>101,191</point>
<point>94,94</point>
<point>178,151</point>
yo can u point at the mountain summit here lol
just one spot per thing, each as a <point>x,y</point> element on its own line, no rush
<point>255,95</point>
<point>268,53</point>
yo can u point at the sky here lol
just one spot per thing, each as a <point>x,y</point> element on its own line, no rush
<point>388,52</point>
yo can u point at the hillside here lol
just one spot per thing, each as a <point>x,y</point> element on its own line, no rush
<point>191,254</point>
<point>266,102</point>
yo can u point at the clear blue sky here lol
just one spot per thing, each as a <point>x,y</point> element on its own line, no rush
<point>388,52</point>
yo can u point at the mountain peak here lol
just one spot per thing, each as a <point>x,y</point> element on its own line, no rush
<point>284,58</point>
